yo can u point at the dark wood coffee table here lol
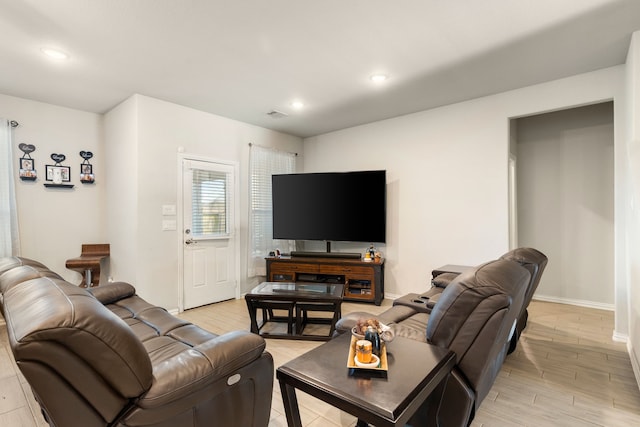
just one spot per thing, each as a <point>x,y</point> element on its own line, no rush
<point>298,300</point>
<point>417,372</point>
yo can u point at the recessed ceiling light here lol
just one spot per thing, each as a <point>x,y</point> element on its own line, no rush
<point>54,53</point>
<point>379,78</point>
<point>298,105</point>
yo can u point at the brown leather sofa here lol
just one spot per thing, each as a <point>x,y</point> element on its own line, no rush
<point>106,357</point>
<point>475,317</point>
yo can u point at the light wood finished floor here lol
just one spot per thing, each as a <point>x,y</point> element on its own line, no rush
<point>565,372</point>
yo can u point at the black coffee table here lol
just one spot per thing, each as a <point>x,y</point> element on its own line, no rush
<point>298,299</point>
<point>417,371</point>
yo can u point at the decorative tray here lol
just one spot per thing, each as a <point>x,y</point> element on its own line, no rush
<point>351,364</point>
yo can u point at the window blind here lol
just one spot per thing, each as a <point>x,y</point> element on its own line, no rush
<point>264,163</point>
<point>209,203</point>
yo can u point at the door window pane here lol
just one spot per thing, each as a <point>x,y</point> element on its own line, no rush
<point>209,203</point>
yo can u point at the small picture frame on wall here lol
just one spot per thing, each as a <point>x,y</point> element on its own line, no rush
<point>58,174</point>
<point>86,173</point>
<point>86,168</point>
<point>26,164</point>
<point>27,170</point>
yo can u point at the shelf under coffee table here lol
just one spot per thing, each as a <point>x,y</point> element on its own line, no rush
<point>416,372</point>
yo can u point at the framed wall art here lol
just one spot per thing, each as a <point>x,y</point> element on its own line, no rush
<point>58,175</point>
<point>86,168</point>
<point>27,170</point>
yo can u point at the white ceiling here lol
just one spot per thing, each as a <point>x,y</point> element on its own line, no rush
<point>241,59</point>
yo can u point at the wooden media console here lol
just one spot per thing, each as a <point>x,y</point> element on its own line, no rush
<point>363,281</point>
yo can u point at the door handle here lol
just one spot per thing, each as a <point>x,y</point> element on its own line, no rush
<point>190,242</point>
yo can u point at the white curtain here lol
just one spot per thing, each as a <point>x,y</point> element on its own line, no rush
<point>9,241</point>
<point>264,162</point>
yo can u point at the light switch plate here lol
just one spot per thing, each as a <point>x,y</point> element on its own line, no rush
<point>168,209</point>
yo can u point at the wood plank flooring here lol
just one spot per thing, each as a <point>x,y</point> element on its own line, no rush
<point>566,371</point>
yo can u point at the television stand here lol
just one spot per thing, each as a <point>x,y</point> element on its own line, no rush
<point>363,281</point>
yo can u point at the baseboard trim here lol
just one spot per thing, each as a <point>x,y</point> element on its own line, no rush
<point>618,337</point>
<point>391,296</point>
<point>578,302</point>
<point>634,362</point>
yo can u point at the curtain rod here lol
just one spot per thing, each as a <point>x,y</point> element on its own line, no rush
<point>14,124</point>
<point>251,144</point>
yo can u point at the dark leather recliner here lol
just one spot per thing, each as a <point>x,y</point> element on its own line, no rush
<point>106,357</point>
<point>531,259</point>
<point>534,261</point>
<point>474,317</point>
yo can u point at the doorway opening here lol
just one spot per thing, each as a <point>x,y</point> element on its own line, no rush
<point>563,200</point>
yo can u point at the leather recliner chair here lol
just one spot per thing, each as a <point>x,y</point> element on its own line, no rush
<point>534,261</point>
<point>106,357</point>
<point>474,317</point>
<point>531,259</point>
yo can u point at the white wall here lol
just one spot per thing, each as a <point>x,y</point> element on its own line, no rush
<point>54,223</point>
<point>632,205</point>
<point>121,155</point>
<point>161,129</point>
<point>565,201</point>
<point>447,173</point>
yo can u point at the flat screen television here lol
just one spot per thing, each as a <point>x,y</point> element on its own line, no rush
<point>331,206</point>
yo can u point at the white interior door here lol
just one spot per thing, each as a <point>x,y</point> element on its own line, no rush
<point>209,242</point>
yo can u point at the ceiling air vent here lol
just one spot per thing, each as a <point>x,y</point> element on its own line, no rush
<point>276,114</point>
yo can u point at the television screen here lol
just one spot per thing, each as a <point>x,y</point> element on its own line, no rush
<point>333,206</point>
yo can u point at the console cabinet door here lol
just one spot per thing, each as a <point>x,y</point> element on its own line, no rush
<point>287,271</point>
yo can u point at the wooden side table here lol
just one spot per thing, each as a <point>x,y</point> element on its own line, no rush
<point>417,371</point>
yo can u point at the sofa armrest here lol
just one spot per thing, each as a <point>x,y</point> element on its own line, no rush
<point>433,300</point>
<point>443,279</point>
<point>112,292</point>
<point>197,368</point>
